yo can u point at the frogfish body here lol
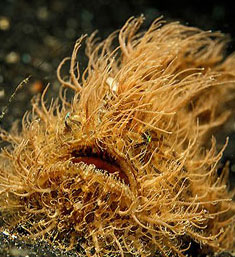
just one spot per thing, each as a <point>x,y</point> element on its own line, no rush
<point>128,166</point>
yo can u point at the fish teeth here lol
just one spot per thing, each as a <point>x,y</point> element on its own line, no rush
<point>86,169</point>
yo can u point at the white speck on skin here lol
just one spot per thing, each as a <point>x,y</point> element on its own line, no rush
<point>112,84</point>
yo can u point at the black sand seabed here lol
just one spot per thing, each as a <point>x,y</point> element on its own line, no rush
<point>36,35</point>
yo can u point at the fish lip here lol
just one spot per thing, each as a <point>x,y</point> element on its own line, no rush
<point>105,163</point>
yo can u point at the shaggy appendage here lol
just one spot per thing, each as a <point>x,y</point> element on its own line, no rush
<point>125,168</point>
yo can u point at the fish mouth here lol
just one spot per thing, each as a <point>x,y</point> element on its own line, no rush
<point>104,162</point>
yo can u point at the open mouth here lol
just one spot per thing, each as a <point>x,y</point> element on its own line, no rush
<point>103,161</point>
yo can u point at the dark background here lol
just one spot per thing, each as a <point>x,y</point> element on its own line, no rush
<point>36,35</point>
<point>40,33</point>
